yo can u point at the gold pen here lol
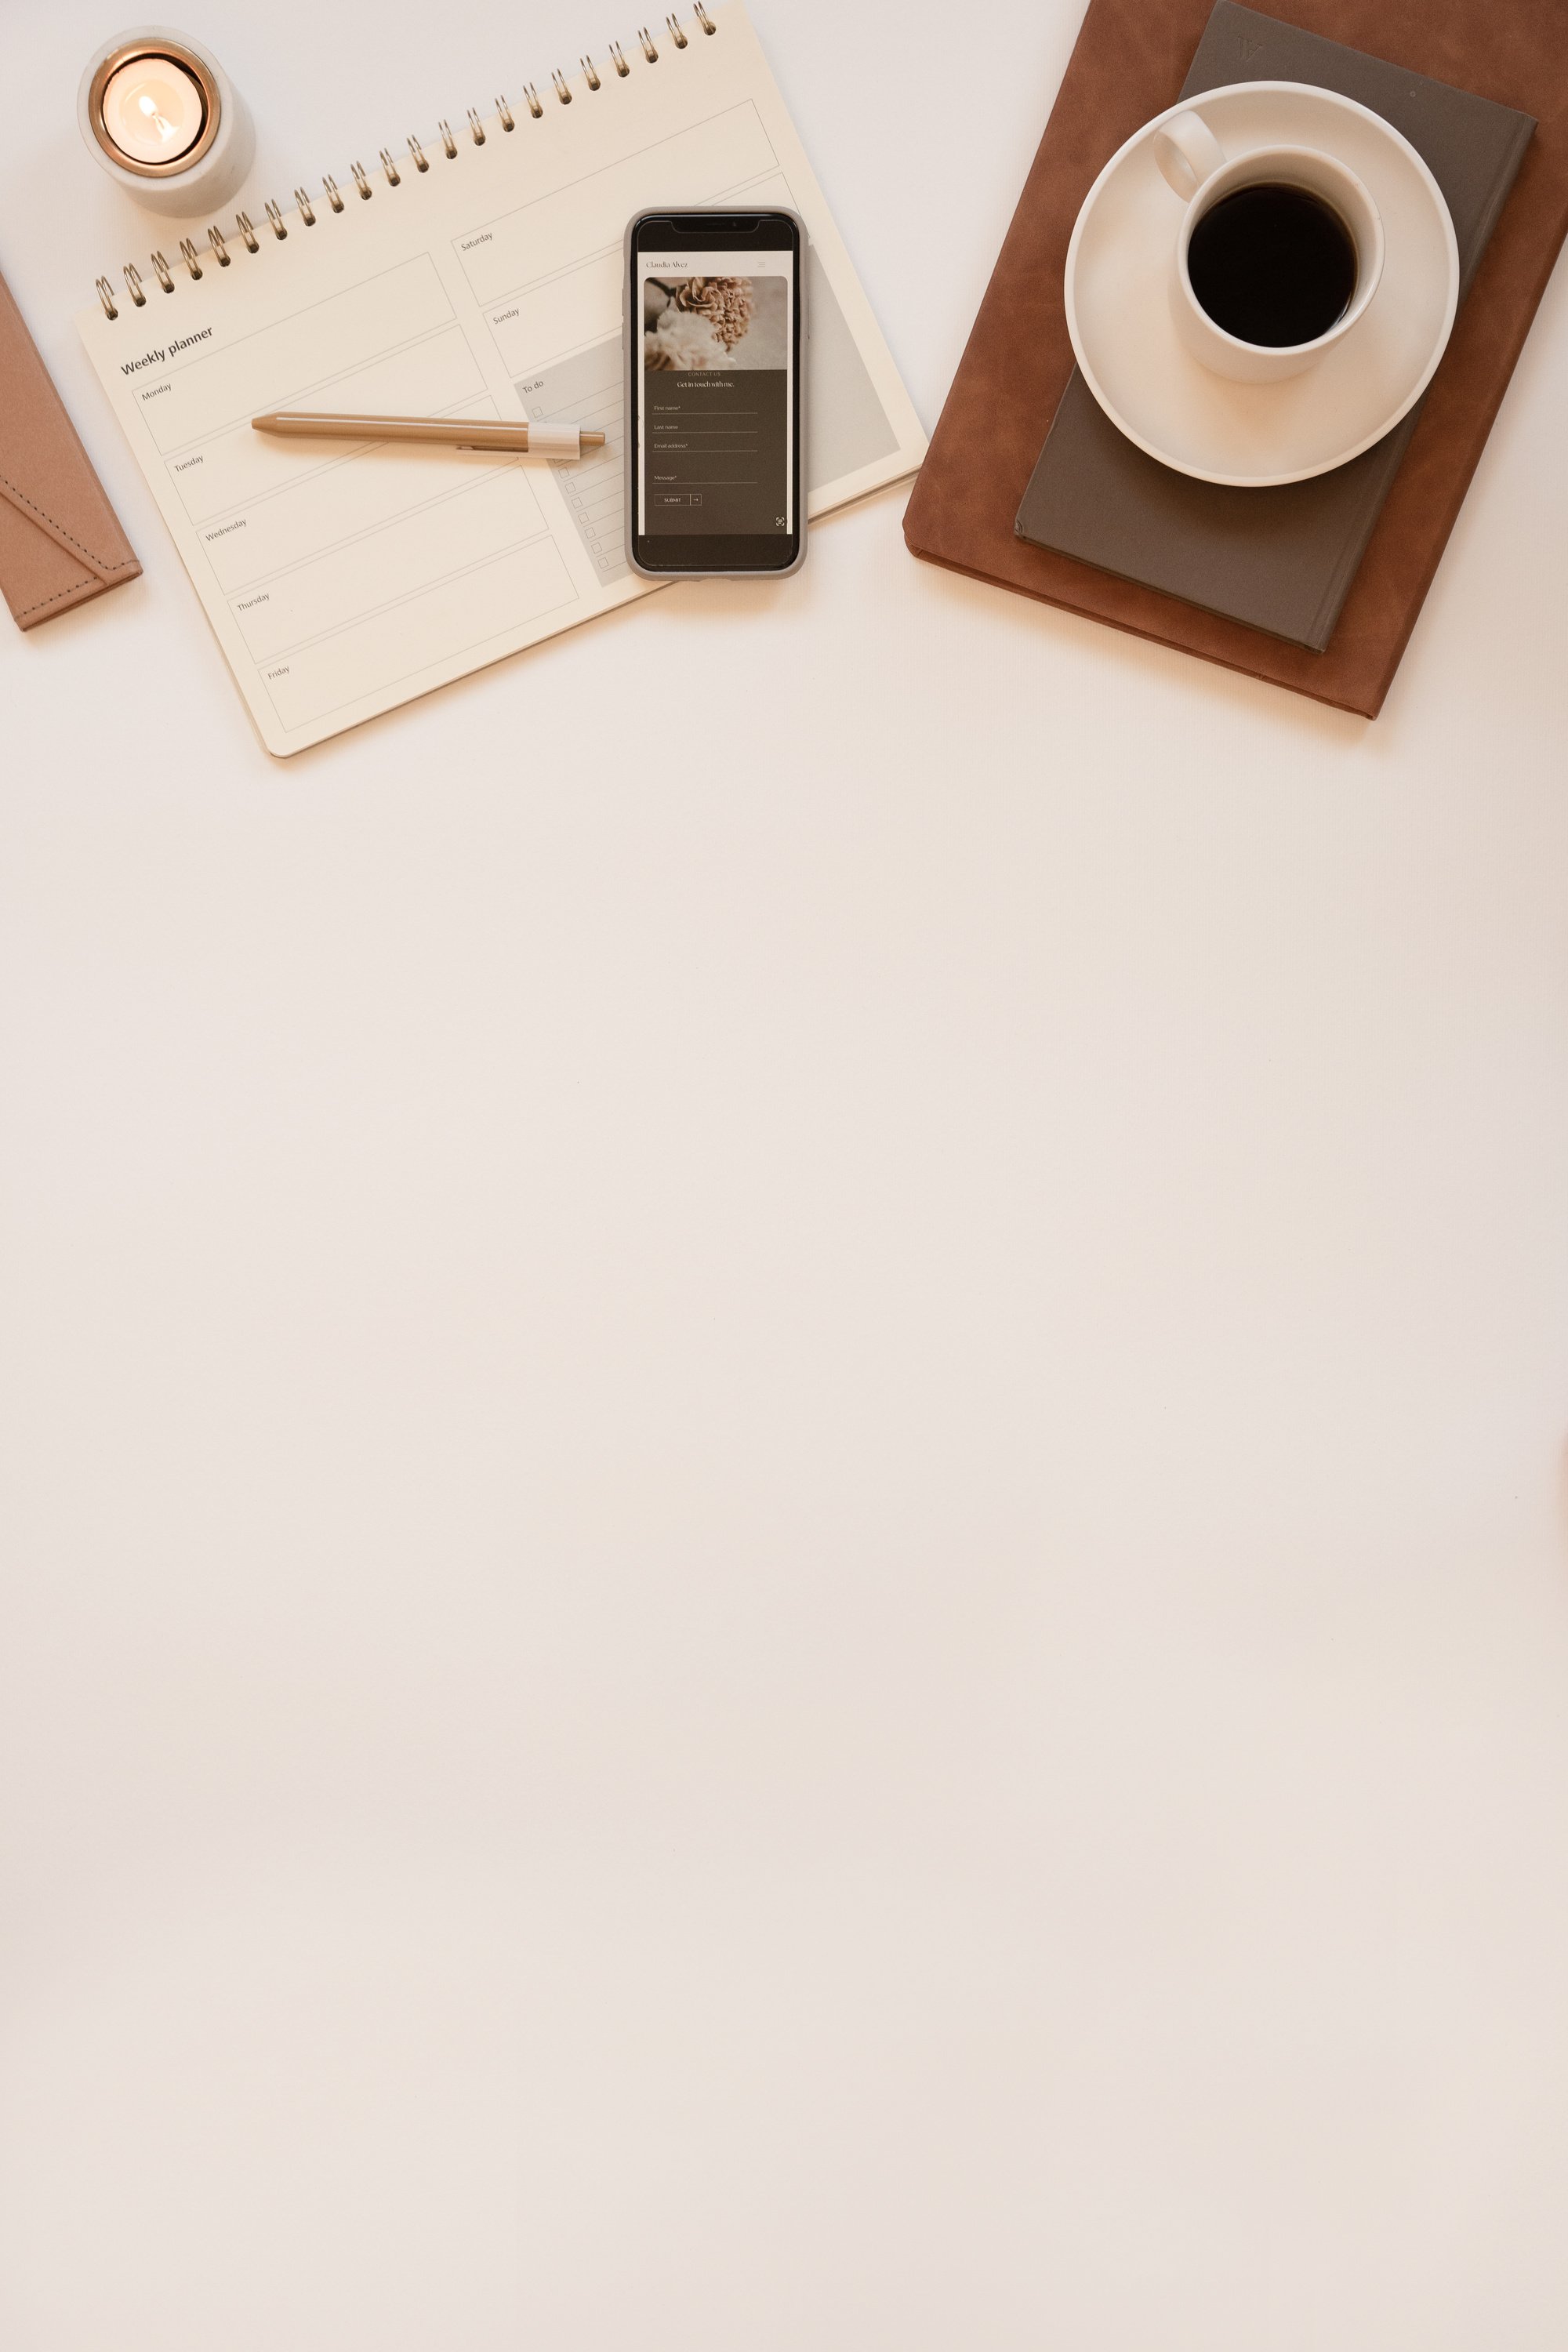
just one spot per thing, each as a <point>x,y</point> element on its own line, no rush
<point>444,432</point>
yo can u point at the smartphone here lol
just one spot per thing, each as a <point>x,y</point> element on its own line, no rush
<point>715,426</point>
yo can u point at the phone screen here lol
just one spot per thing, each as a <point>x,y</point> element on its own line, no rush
<point>716,382</point>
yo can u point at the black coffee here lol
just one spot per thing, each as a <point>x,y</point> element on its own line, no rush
<point>1273,265</point>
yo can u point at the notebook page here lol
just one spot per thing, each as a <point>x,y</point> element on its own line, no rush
<point>343,580</point>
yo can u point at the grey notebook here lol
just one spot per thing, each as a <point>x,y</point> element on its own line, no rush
<point>1280,560</point>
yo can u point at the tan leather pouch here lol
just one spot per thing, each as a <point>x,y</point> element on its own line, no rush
<point>60,541</point>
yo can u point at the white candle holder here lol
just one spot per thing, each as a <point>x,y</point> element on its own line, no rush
<point>204,174</point>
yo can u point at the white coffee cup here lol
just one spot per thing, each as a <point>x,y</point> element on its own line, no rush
<point>1196,168</point>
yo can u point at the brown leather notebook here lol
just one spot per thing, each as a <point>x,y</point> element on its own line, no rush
<point>60,541</point>
<point>1280,560</point>
<point>1130,63</point>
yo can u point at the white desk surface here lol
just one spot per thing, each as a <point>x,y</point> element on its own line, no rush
<point>784,1400</point>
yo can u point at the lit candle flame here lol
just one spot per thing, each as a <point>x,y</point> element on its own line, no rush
<point>160,122</point>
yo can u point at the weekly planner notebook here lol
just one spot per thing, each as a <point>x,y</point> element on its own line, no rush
<point>476,273</point>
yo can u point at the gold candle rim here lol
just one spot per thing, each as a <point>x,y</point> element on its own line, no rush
<point>201,73</point>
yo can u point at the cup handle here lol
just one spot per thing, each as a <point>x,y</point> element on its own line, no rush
<point>1188,153</point>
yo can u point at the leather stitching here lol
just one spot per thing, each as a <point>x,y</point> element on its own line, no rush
<point>89,580</point>
<point>99,563</point>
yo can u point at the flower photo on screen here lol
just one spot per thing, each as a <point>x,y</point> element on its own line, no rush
<point>689,323</point>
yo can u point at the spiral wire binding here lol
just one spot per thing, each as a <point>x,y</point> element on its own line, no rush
<point>246,228</point>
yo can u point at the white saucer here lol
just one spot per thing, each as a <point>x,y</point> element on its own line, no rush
<point>1256,435</point>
